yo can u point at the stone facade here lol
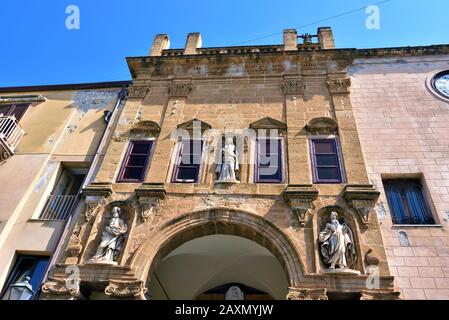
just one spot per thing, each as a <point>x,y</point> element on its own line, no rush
<point>302,93</point>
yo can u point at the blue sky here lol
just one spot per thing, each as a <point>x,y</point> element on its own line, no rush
<point>37,49</point>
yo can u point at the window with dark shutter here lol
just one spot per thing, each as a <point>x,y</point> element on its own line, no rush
<point>269,162</point>
<point>407,202</point>
<point>136,161</point>
<point>188,164</point>
<point>325,161</point>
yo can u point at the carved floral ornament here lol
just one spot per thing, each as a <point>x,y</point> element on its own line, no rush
<point>138,91</point>
<point>125,289</point>
<point>322,125</point>
<point>307,294</point>
<point>339,86</point>
<point>180,89</point>
<point>62,287</point>
<point>292,87</point>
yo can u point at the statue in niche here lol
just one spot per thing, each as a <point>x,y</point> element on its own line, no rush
<point>234,293</point>
<point>112,240</point>
<point>337,244</point>
<point>228,168</point>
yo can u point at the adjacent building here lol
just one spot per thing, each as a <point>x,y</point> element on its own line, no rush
<point>294,171</point>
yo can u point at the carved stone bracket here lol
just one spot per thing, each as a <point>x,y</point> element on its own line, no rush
<point>300,198</point>
<point>307,294</point>
<point>138,91</point>
<point>94,195</point>
<point>180,89</point>
<point>125,289</point>
<point>380,295</point>
<point>339,86</point>
<point>293,87</point>
<point>362,198</point>
<point>62,287</point>
<point>149,196</point>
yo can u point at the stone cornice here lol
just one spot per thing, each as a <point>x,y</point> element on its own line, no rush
<point>98,189</point>
<point>26,99</point>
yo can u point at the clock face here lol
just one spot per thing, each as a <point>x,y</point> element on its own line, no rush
<point>441,83</point>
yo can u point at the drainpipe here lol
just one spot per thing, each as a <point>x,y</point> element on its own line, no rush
<point>110,118</point>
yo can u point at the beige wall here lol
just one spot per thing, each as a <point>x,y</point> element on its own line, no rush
<point>404,130</point>
<point>66,128</point>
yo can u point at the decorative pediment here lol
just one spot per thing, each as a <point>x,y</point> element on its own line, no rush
<point>195,124</point>
<point>339,86</point>
<point>322,125</point>
<point>138,91</point>
<point>291,87</point>
<point>268,123</point>
<point>145,126</point>
<point>180,89</point>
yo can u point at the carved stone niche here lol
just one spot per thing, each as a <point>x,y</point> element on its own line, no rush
<point>380,295</point>
<point>123,289</point>
<point>322,125</point>
<point>149,196</point>
<point>307,294</point>
<point>300,198</point>
<point>362,198</point>
<point>180,90</point>
<point>62,288</point>
<point>339,86</point>
<point>293,87</point>
<point>138,91</point>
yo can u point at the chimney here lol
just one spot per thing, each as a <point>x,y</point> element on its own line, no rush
<point>326,38</point>
<point>161,42</point>
<point>194,42</point>
<point>290,40</point>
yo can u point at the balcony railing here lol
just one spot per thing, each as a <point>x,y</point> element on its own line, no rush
<point>10,135</point>
<point>59,207</point>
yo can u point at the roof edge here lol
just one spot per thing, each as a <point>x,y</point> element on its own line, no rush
<point>60,87</point>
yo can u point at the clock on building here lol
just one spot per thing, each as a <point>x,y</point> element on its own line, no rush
<point>441,83</point>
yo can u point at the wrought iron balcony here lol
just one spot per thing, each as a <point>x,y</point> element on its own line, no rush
<point>59,208</point>
<point>10,135</point>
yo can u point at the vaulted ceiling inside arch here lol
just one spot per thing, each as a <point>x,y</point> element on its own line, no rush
<point>208,262</point>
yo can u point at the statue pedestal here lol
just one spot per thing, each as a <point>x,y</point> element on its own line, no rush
<point>227,182</point>
<point>348,272</point>
<point>102,263</point>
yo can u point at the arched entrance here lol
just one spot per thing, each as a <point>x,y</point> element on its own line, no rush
<point>186,236</point>
<point>206,268</point>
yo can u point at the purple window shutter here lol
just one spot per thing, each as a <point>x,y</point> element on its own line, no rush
<point>276,169</point>
<point>135,163</point>
<point>188,163</point>
<point>325,161</point>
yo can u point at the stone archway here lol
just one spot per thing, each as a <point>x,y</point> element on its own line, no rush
<point>219,221</point>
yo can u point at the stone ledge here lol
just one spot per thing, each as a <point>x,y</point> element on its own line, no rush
<point>300,191</point>
<point>156,190</point>
<point>360,192</point>
<point>102,189</point>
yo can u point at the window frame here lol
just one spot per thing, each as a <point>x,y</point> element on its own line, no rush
<point>178,159</point>
<point>315,167</point>
<point>281,149</point>
<point>15,269</point>
<point>126,158</point>
<point>428,217</point>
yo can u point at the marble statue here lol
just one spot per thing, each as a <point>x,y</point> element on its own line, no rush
<point>337,244</point>
<point>112,239</point>
<point>234,293</point>
<point>228,168</point>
